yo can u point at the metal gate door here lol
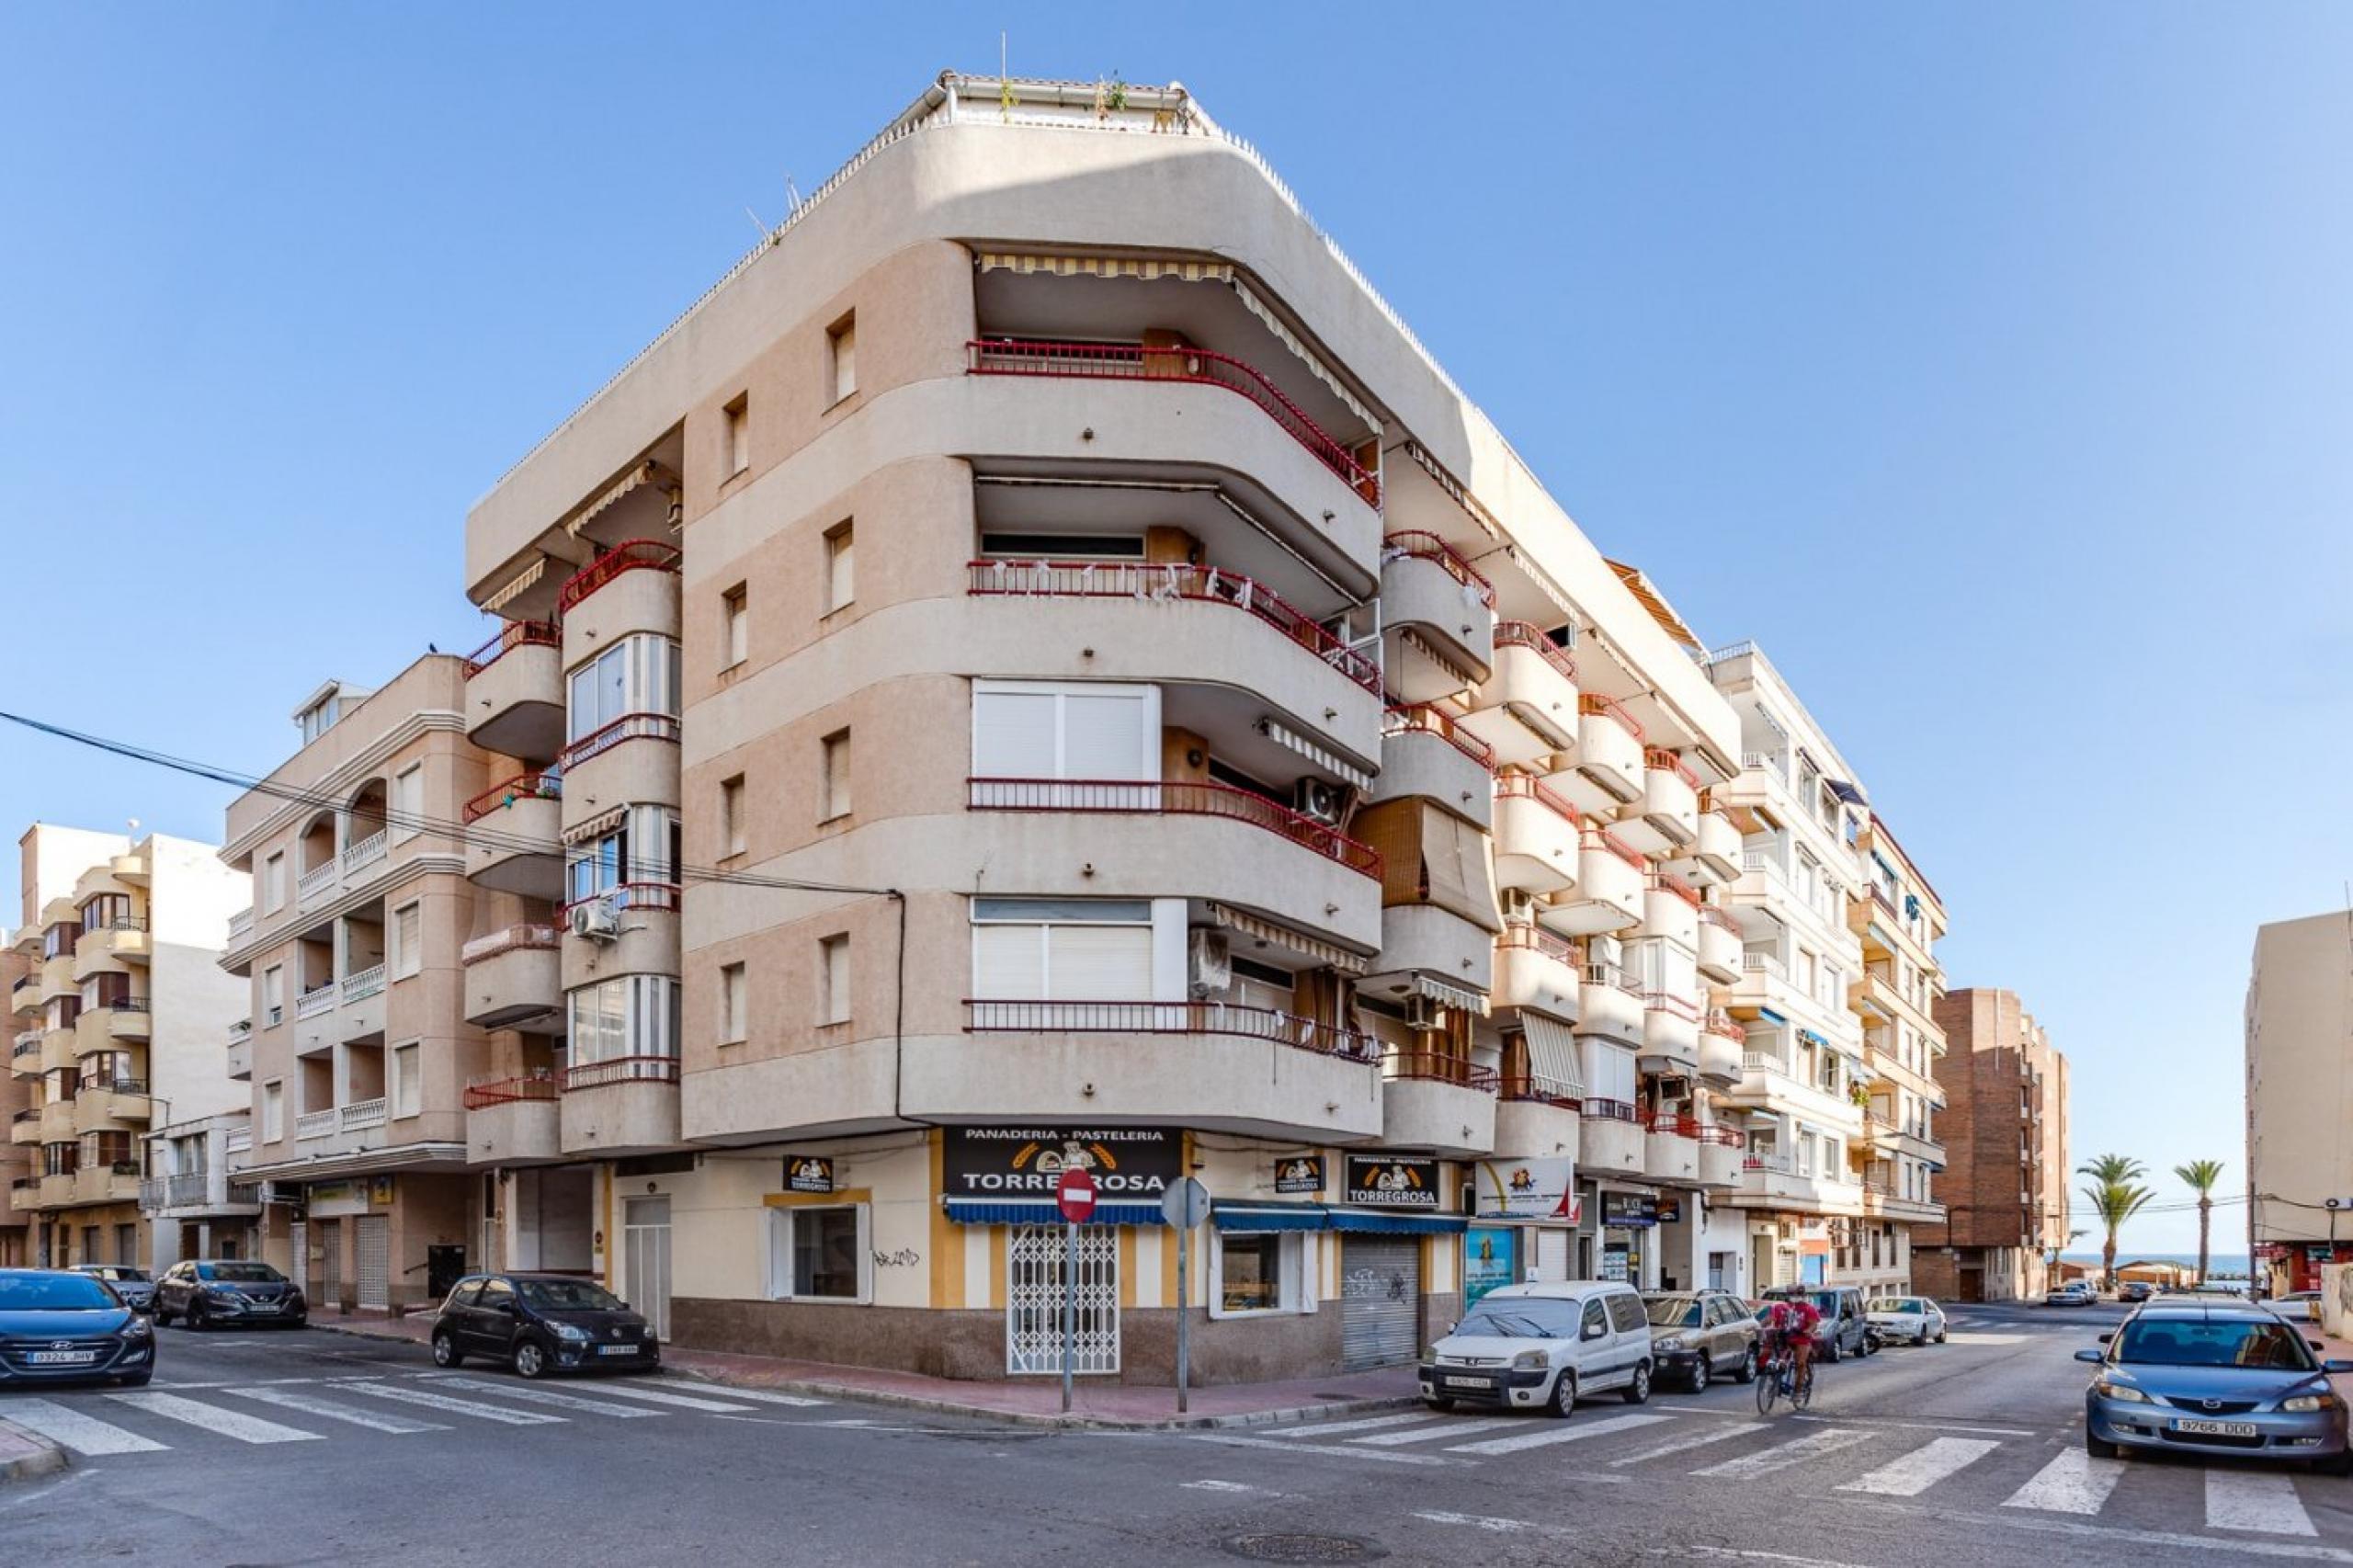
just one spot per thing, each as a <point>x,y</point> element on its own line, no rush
<point>645,1260</point>
<point>373,1238</point>
<point>1551,1255</point>
<point>297,1255</point>
<point>331,1265</point>
<point>1380,1300</point>
<point>1033,1299</point>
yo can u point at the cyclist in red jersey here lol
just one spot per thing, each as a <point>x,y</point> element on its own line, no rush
<point>1791,1325</point>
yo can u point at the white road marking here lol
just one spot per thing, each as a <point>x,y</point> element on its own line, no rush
<point>1333,1450</point>
<point>1437,1431</point>
<point>2074,1482</point>
<point>1476,1522</point>
<point>311,1404</point>
<point>1781,1456</point>
<point>2247,1500</point>
<point>454,1406</point>
<point>1931,1425</point>
<point>1923,1467</point>
<point>1559,1432</point>
<point>214,1418</point>
<point>1368,1424</point>
<point>2232,1549</point>
<point>549,1397</point>
<point>716,1390</point>
<point>82,1433</point>
<point>1691,1440</point>
<point>651,1396</point>
<point>1967,1337</point>
<point>1219,1486</point>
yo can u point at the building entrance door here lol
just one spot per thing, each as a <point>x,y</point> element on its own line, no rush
<point>645,1260</point>
<point>372,1234</point>
<point>1380,1300</point>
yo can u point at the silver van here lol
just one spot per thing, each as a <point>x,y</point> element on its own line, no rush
<point>1543,1348</point>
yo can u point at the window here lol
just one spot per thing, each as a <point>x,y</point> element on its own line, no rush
<point>637,675</point>
<point>635,1017</point>
<point>407,801</point>
<point>497,1294</point>
<point>833,988</point>
<point>408,1092</point>
<point>273,882</point>
<point>820,1253</point>
<point>1062,949</point>
<point>643,851</point>
<point>739,436</point>
<point>408,940</point>
<point>836,781</point>
<point>273,1112</point>
<point>1063,547</point>
<point>732,1004</point>
<point>1023,729</point>
<point>317,720</point>
<point>731,815</point>
<point>1596,1322</point>
<point>840,580</point>
<point>1626,1313</point>
<point>735,626</point>
<point>841,357</point>
<point>273,997</point>
<point>1258,1272</point>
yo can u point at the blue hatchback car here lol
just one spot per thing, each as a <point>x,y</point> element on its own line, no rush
<point>2217,1378</point>
<point>55,1326</point>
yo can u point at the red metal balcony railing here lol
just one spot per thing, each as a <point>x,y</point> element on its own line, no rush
<point>1665,761</point>
<point>1534,1088</point>
<point>1671,1126</point>
<point>1720,918</point>
<point>513,635</point>
<point>628,727</point>
<point>1724,1024</point>
<point>1172,580</point>
<point>1667,882</point>
<point>1594,706</point>
<point>485,1092</point>
<point>620,1070</point>
<point>1527,787</point>
<point>1135,362</point>
<point>630,555</point>
<point>1171,1018</point>
<point>1672,1005</point>
<point>1536,940</point>
<point>1418,544</point>
<point>1602,838</point>
<point>1420,718</point>
<point>544,786</point>
<point>1611,1110</point>
<point>1172,798</point>
<point>1721,1137</point>
<point>1522,634</point>
<point>1437,1067</point>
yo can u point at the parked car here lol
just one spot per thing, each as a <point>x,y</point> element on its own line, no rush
<point>2135,1290</point>
<point>1697,1335</point>
<point>1915,1318</point>
<point>1543,1347</point>
<point>2229,1378</point>
<point>2074,1293</point>
<point>541,1323</point>
<point>1844,1330</point>
<point>57,1325</point>
<point>2297,1306</point>
<point>135,1286</point>
<point>208,1292</point>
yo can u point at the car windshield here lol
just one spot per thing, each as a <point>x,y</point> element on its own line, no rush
<point>568,1296</point>
<point>243,1273</point>
<point>1673,1311</point>
<point>1522,1317</point>
<point>2226,1342</point>
<point>1891,1304</point>
<point>52,1292</point>
<point>117,1272</point>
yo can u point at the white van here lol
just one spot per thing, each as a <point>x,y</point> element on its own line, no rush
<point>1543,1347</point>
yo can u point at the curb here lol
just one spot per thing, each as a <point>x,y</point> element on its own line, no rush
<point>1075,1422</point>
<point>46,1458</point>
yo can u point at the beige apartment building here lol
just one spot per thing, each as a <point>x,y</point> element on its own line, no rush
<point>20,1186</point>
<point>2006,1187</point>
<point>120,1017</point>
<point>2299,1100</point>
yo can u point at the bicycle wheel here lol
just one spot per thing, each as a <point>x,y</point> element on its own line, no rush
<point>1802,1395</point>
<point>1769,1386</point>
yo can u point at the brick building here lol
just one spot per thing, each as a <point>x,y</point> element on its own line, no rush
<point>2005,1128</point>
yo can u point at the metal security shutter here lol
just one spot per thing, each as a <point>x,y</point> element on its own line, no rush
<point>298,1251</point>
<point>1551,1255</point>
<point>1035,1256</point>
<point>331,1265</point>
<point>1380,1300</point>
<point>374,1241</point>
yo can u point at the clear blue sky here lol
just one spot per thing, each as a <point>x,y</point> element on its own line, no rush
<point>1988,364</point>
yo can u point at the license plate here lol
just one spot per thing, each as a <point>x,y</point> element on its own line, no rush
<point>2219,1428</point>
<point>1465,1382</point>
<point>60,1357</point>
<point>617,1350</point>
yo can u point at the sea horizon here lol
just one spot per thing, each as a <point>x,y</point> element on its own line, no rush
<point>2217,1261</point>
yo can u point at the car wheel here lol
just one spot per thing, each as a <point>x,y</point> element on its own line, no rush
<point>1639,1390</point>
<point>1700,1373</point>
<point>1833,1352</point>
<point>446,1352</point>
<point>163,1318</point>
<point>1563,1402</point>
<point>1747,1371</point>
<point>2099,1448</point>
<point>1438,1401</point>
<point>136,1380</point>
<point>197,1322</point>
<point>530,1360</point>
<point>1923,1339</point>
<point>1940,1337</point>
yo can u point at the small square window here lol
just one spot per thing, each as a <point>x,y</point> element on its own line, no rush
<point>841,357</point>
<point>732,829</point>
<point>836,781</point>
<point>833,980</point>
<point>841,585</point>
<point>735,626</point>
<point>733,1004</point>
<point>738,415</point>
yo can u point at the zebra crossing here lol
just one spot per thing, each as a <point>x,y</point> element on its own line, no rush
<point>2015,1474</point>
<point>101,1423</point>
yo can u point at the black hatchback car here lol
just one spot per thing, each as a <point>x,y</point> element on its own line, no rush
<point>539,1323</point>
<point>136,1287</point>
<point>57,1325</point>
<point>210,1292</point>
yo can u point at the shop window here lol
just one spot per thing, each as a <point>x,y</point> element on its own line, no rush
<point>1258,1271</point>
<point>820,1253</point>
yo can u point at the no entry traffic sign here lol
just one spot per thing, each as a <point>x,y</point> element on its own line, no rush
<point>1074,1195</point>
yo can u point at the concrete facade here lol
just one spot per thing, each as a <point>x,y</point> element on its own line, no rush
<point>2007,1183</point>
<point>2299,1100</point>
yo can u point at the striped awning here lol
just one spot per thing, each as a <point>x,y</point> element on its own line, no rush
<point>644,473</point>
<point>1447,994</point>
<point>1306,355</point>
<point>1473,508</point>
<point>1283,935</point>
<point>1552,1052</point>
<point>986,1211</point>
<point>521,584</point>
<point>1282,734</point>
<point>597,826</point>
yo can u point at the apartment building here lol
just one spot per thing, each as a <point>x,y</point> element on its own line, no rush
<point>20,969</point>
<point>1040,668</point>
<point>2005,1186</point>
<point>363,1019</point>
<point>2300,1099</point>
<point>124,1016</point>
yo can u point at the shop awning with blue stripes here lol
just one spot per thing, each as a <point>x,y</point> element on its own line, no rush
<point>985,1211</point>
<point>1246,1215</point>
<point>1399,1224</point>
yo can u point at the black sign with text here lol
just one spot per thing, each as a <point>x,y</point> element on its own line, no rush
<point>808,1172</point>
<point>1391,1181</point>
<point>1624,1208</point>
<point>1300,1173</point>
<point>1127,1164</point>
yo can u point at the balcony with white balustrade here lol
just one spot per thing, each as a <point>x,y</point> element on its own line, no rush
<point>1670,1033</point>
<point>1719,949</point>
<point>1666,820</point>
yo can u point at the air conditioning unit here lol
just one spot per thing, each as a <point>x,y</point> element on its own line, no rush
<point>1424,1014</point>
<point>1209,963</point>
<point>1322,800</point>
<point>1519,906</point>
<point>598,920</point>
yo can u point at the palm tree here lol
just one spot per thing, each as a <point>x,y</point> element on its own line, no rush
<point>2116,1195</point>
<point>2201,1175</point>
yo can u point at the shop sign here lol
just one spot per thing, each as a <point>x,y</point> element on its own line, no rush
<point>1613,1261</point>
<point>1488,1260</point>
<point>1526,1189</point>
<point>380,1191</point>
<point>808,1172</point>
<point>1626,1209</point>
<point>329,1191</point>
<point>1670,1210</point>
<point>1391,1181</point>
<point>1299,1173</point>
<point>1029,1162</point>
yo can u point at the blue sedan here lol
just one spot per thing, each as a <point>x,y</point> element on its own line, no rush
<point>55,1326</point>
<point>2219,1378</point>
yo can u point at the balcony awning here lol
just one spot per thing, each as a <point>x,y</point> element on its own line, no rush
<point>1306,355</point>
<point>1552,1052</point>
<point>1283,735</point>
<point>644,473</point>
<point>1471,505</point>
<point>1249,1216</point>
<point>1283,935</point>
<point>520,585</point>
<point>597,826</point>
<point>989,1211</point>
<point>1848,792</point>
<point>1447,996</point>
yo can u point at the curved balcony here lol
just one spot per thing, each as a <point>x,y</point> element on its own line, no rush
<point>1528,709</point>
<point>513,976</point>
<point>1605,772</point>
<point>24,1057</point>
<point>113,949</point>
<point>1724,1050</point>
<point>23,997</point>
<point>64,1047</point>
<point>1437,617</point>
<point>1427,752</point>
<point>514,1121</point>
<point>1422,938</point>
<point>1536,836</point>
<point>1537,1119</point>
<point>1671,910</point>
<point>1609,1006</point>
<point>633,761</point>
<point>1671,1149</point>
<point>515,837</point>
<point>1613,1138</point>
<point>1670,1033</point>
<point>1719,945</point>
<point>128,1020</point>
<point>1173,365</point>
<point>120,1106</point>
<point>515,690</point>
<point>57,1122</point>
<point>57,1191</point>
<point>647,942</point>
<point>57,977</point>
<point>117,1183</point>
<point>1721,1151</point>
<point>132,869</point>
<point>632,589</point>
<point>1538,972</point>
<point>240,1054</point>
<point>1715,852</point>
<point>624,1104</point>
<point>1436,1102</point>
<point>1608,894</point>
<point>25,1128</point>
<point>1667,819</point>
<point>1174,797</point>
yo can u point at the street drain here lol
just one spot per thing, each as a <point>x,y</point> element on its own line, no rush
<point>1294,1547</point>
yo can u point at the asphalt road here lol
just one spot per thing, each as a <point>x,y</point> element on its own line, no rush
<point>309,1448</point>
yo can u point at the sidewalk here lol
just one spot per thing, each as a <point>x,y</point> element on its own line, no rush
<point>1032,1400</point>
<point>24,1455</point>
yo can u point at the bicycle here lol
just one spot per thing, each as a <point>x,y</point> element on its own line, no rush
<point>1778,1379</point>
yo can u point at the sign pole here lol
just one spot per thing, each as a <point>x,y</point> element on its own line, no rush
<point>1184,1319</point>
<point>1070,1306</point>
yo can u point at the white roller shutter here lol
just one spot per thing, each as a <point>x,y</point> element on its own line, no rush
<point>1551,1255</point>
<point>1098,964</point>
<point>1009,962</point>
<point>1012,734</point>
<point>372,1240</point>
<point>1380,1300</point>
<point>1103,737</point>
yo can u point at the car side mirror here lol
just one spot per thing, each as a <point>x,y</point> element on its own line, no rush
<point>2106,1339</point>
<point>1456,1324</point>
<point>1595,1330</point>
<point>2337,1367</point>
<point>2092,1356</point>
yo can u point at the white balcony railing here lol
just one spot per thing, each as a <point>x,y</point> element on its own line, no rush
<point>311,1004</point>
<point>315,1124</point>
<point>1764,963</point>
<point>238,1140</point>
<point>363,983</point>
<point>360,1115</point>
<point>316,883</point>
<point>366,852</point>
<point>241,1033</point>
<point>241,925</point>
